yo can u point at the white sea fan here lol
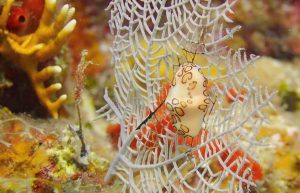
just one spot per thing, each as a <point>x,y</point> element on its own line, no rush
<point>150,36</point>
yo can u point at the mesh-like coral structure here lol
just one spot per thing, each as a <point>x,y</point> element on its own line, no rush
<point>154,154</point>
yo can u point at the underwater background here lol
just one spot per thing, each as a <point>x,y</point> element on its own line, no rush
<point>56,65</point>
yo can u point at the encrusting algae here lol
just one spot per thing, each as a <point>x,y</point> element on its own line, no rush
<point>28,51</point>
<point>45,158</point>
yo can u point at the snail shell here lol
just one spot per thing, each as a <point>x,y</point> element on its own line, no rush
<point>188,100</point>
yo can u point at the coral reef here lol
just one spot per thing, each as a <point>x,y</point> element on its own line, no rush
<point>280,159</point>
<point>287,80</point>
<point>185,109</point>
<point>156,153</point>
<point>264,35</point>
<point>43,159</point>
<point>28,51</point>
<point>93,32</point>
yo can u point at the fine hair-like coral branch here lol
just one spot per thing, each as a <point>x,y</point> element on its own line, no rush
<point>80,76</point>
<point>79,86</point>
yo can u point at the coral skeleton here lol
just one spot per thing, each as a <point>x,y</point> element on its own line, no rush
<point>30,50</point>
<point>155,153</point>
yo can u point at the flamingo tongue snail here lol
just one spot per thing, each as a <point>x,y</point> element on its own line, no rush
<point>188,100</point>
